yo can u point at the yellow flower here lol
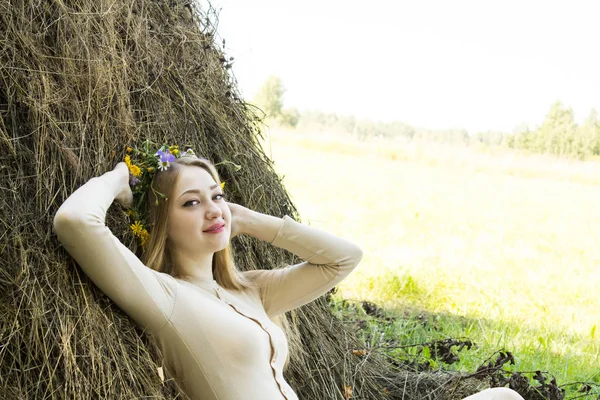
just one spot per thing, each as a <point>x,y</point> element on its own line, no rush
<point>136,228</point>
<point>129,149</point>
<point>144,236</point>
<point>150,169</point>
<point>222,185</point>
<point>135,170</point>
<point>347,392</point>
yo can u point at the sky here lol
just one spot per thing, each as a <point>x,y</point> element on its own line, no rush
<point>474,64</point>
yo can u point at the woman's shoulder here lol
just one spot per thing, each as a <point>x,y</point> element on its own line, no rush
<point>254,275</point>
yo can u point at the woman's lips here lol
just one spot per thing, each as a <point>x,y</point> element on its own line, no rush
<point>218,230</point>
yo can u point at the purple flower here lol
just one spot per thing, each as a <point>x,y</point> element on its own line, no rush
<point>164,158</point>
<point>133,180</point>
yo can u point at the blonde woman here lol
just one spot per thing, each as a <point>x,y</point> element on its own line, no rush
<point>212,322</point>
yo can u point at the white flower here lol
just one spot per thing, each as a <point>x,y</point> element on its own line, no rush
<point>163,165</point>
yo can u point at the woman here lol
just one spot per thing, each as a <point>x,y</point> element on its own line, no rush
<point>212,323</point>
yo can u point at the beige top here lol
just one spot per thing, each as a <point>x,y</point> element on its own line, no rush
<point>219,344</point>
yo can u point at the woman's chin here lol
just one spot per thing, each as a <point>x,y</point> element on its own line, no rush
<point>219,240</point>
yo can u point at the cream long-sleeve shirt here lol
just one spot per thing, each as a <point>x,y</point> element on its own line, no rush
<point>219,344</point>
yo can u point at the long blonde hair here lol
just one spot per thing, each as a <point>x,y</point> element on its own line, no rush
<point>157,253</point>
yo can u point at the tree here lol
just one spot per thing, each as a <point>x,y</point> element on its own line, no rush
<point>589,135</point>
<point>290,117</point>
<point>270,97</point>
<point>557,133</point>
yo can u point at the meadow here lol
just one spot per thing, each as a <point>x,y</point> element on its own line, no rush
<point>492,245</point>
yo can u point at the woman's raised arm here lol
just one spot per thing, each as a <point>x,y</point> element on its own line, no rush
<point>146,295</point>
<point>328,259</point>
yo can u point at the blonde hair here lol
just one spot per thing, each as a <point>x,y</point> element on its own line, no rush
<point>157,253</point>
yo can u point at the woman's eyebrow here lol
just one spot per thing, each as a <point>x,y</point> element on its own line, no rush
<point>198,191</point>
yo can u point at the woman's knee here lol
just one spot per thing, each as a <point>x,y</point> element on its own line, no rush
<point>500,393</point>
<point>503,393</point>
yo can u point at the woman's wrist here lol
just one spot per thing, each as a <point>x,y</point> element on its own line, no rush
<point>119,179</point>
<point>261,226</point>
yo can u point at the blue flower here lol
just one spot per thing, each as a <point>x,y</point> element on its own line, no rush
<point>164,158</point>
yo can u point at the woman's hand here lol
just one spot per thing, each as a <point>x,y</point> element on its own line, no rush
<point>261,226</point>
<point>125,196</point>
<point>239,217</point>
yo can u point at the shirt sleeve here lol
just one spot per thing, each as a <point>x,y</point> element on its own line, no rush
<point>146,295</point>
<point>328,259</point>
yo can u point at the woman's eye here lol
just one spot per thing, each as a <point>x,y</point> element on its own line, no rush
<point>188,202</point>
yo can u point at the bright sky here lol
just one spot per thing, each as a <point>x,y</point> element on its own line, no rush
<point>469,64</point>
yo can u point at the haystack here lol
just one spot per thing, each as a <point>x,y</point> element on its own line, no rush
<point>79,81</point>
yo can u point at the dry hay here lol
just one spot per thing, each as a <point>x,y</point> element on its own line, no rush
<point>80,80</point>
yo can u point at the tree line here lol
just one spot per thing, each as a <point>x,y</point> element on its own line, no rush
<point>557,135</point>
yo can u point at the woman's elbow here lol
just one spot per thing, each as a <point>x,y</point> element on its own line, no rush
<point>60,219</point>
<point>357,255</point>
<point>64,222</point>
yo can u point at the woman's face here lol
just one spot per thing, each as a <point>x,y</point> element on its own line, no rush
<point>195,205</point>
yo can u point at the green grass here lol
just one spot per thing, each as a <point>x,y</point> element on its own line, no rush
<point>508,244</point>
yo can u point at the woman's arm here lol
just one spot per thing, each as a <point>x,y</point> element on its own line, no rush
<point>328,259</point>
<point>145,295</point>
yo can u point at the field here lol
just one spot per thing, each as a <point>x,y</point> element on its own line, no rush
<point>498,247</point>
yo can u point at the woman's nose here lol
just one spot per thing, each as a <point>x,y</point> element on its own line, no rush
<point>213,210</point>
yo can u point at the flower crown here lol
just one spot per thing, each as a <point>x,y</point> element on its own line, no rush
<point>142,169</point>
